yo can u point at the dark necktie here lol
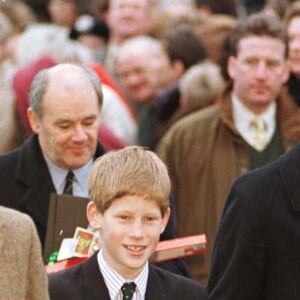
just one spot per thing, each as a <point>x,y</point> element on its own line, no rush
<point>68,190</point>
<point>128,289</point>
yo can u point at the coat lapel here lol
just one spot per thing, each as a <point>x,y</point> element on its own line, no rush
<point>155,288</point>
<point>93,281</point>
<point>32,174</point>
<point>290,175</point>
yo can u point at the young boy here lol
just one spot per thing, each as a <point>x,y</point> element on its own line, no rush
<point>129,191</point>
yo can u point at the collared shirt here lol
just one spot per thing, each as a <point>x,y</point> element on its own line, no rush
<point>80,184</point>
<point>114,281</point>
<point>243,118</point>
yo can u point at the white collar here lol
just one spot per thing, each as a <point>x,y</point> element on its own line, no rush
<point>243,117</point>
<point>114,280</point>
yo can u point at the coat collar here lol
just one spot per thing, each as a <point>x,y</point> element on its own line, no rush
<point>94,285</point>
<point>288,116</point>
<point>93,281</point>
<point>32,174</point>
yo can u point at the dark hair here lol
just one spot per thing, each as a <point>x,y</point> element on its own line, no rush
<point>182,43</point>
<point>227,7</point>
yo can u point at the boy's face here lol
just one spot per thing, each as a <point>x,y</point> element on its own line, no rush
<point>130,230</point>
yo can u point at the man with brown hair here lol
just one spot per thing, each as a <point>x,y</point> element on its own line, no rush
<point>206,151</point>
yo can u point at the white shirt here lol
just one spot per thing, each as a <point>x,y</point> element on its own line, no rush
<point>80,183</point>
<point>243,118</point>
<point>114,281</point>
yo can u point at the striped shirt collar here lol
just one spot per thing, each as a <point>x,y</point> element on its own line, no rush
<point>114,281</point>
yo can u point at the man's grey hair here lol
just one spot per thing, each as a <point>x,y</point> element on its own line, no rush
<point>40,84</point>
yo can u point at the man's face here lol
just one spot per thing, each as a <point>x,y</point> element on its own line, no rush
<point>294,45</point>
<point>258,71</point>
<point>129,233</point>
<point>62,12</point>
<point>128,18</point>
<point>67,131</point>
<point>137,75</point>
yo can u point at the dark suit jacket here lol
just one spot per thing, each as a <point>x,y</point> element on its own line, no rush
<point>26,185</point>
<point>85,281</point>
<point>257,249</point>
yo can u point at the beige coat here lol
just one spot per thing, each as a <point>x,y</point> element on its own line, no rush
<point>22,273</point>
<point>205,154</point>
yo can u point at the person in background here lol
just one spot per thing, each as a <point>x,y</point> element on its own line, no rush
<point>127,19</point>
<point>143,68</point>
<point>92,34</point>
<point>44,45</point>
<point>65,104</point>
<point>64,13</point>
<point>255,122</point>
<point>23,274</point>
<point>129,206</point>
<point>292,23</point>
<point>200,86</point>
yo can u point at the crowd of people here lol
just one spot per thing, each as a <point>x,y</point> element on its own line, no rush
<point>175,118</point>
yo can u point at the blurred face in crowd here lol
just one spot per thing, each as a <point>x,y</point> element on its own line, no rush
<point>67,130</point>
<point>294,45</point>
<point>165,70</point>
<point>129,232</point>
<point>258,71</point>
<point>62,12</point>
<point>127,18</point>
<point>137,76</point>
<point>144,72</point>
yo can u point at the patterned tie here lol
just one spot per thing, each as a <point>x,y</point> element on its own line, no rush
<point>128,289</point>
<point>68,190</point>
<point>260,134</point>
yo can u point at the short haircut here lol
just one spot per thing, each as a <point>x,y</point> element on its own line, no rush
<point>182,43</point>
<point>259,24</point>
<point>40,83</point>
<point>131,171</point>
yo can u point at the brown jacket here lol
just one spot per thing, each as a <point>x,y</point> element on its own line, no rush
<point>205,154</point>
<point>22,273</point>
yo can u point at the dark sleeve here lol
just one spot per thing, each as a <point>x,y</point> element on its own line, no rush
<point>178,266</point>
<point>238,259</point>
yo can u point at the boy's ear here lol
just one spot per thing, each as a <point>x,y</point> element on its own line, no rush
<point>93,215</point>
<point>165,220</point>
